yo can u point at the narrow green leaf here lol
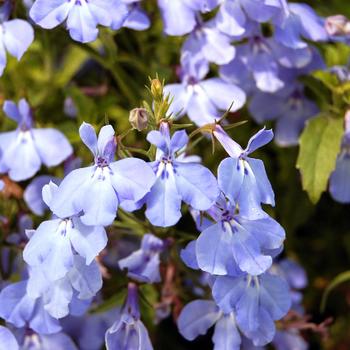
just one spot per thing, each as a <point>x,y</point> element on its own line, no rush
<point>341,278</point>
<point>319,147</point>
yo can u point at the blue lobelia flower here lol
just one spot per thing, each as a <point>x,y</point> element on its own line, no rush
<point>233,16</point>
<point>7,340</point>
<point>16,36</point>
<point>255,60</point>
<point>19,309</point>
<point>208,43</point>
<point>26,148</point>
<point>137,18</point>
<point>201,99</point>
<point>143,264</point>
<point>128,331</point>
<point>54,242</point>
<point>187,9</point>
<point>302,22</point>
<point>339,184</point>
<point>234,243</point>
<point>289,107</point>
<point>177,180</point>
<point>199,315</point>
<point>80,284</point>
<point>82,16</point>
<point>97,191</point>
<point>257,302</point>
<point>243,179</point>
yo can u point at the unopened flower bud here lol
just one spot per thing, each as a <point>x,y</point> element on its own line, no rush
<point>337,25</point>
<point>157,89</point>
<point>138,118</point>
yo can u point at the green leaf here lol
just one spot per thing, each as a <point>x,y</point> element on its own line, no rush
<point>319,147</point>
<point>341,278</point>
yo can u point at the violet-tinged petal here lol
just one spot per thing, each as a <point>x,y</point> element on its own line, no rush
<point>180,96</point>
<point>197,317</point>
<point>260,139</point>
<point>88,136</point>
<point>11,110</point>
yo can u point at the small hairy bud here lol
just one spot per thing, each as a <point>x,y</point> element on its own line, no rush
<point>138,118</point>
<point>337,25</point>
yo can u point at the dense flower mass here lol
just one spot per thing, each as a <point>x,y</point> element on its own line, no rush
<point>148,222</point>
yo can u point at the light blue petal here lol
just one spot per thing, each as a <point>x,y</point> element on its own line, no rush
<point>18,36</point>
<point>224,94</point>
<point>179,140</point>
<point>59,341</point>
<point>231,18</point>
<point>339,184</point>
<point>180,96</point>
<point>15,306</point>
<point>53,147</point>
<point>58,298</point>
<point>267,195</point>
<point>177,25</point>
<point>247,252</point>
<point>22,158</point>
<point>105,137</point>
<point>197,317</point>
<point>85,279</point>
<point>214,251</point>
<point>132,178</point>
<point>99,203</point>
<point>275,296</point>
<point>11,110</point>
<point>196,185</point>
<point>87,241</point>
<point>188,255</point>
<point>230,178</point>
<point>49,14</point>
<point>156,138</point>
<point>88,136</point>
<point>33,194</point>
<point>7,340</point>
<point>42,322</point>
<point>137,20</point>
<point>81,24</point>
<point>267,231</point>
<point>73,186</point>
<point>260,139</point>
<point>164,203</point>
<point>226,335</point>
